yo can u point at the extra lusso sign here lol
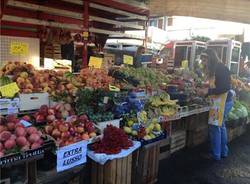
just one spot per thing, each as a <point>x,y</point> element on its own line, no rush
<point>71,155</point>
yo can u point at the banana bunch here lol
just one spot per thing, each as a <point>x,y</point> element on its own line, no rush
<point>142,117</point>
<point>162,100</point>
<point>163,105</point>
<point>168,111</point>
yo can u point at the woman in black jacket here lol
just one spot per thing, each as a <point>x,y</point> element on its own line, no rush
<point>221,87</point>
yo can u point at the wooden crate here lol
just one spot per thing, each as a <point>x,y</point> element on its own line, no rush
<point>146,164</point>
<point>230,134</point>
<point>52,51</point>
<point>197,137</point>
<point>195,121</point>
<point>116,171</point>
<point>234,132</point>
<point>164,149</point>
<point>178,141</point>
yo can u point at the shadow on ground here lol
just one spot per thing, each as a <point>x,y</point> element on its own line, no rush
<point>190,167</point>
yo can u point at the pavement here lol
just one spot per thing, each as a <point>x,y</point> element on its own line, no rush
<point>190,167</point>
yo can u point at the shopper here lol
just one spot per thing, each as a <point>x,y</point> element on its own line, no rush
<point>221,102</point>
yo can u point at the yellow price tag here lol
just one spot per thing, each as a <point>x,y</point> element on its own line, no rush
<point>85,34</point>
<point>184,64</point>
<point>19,48</point>
<point>128,60</point>
<point>9,90</point>
<point>95,62</point>
<point>113,88</point>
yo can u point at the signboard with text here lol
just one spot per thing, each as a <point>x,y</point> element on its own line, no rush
<point>71,156</point>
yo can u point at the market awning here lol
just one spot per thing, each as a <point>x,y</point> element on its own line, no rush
<point>228,10</point>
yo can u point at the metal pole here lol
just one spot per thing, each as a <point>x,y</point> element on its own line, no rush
<point>85,33</point>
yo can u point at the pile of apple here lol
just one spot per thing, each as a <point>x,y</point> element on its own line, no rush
<point>30,80</point>
<point>95,78</point>
<point>71,131</point>
<point>14,136</point>
<point>58,111</point>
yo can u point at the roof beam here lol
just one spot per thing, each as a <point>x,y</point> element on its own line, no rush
<point>50,10</point>
<point>108,21</point>
<point>40,22</point>
<point>116,11</point>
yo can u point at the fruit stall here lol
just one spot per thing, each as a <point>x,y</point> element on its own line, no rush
<point>105,123</point>
<point>127,117</point>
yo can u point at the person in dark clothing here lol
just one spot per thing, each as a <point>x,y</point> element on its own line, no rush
<point>221,86</point>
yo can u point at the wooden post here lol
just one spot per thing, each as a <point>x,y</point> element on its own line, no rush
<point>31,169</point>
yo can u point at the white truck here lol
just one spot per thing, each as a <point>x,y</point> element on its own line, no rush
<point>229,53</point>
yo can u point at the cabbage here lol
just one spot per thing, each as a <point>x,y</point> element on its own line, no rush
<point>232,116</point>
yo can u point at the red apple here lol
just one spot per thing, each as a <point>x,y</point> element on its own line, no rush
<point>2,128</point>
<point>51,118</point>
<point>56,133</point>
<point>40,118</point>
<point>79,129</point>
<point>48,129</point>
<point>20,131</point>
<point>85,136</point>
<point>63,128</point>
<point>11,126</point>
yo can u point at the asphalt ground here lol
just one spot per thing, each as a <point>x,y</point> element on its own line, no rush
<point>190,167</point>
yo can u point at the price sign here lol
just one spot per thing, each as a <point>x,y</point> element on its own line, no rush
<point>128,60</point>
<point>95,62</point>
<point>12,111</point>
<point>71,155</point>
<point>9,90</point>
<point>113,88</point>
<point>25,123</point>
<point>19,48</point>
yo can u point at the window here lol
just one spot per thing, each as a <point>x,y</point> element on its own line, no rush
<point>224,55</point>
<point>234,68</point>
<point>160,23</point>
<point>153,23</point>
<point>180,55</point>
<point>235,54</point>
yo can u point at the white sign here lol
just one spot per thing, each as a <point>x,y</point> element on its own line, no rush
<point>71,155</point>
<point>12,111</point>
<point>25,123</point>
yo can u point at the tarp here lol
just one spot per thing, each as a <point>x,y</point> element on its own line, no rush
<point>228,10</point>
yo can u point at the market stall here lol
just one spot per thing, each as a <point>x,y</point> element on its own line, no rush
<point>105,124</point>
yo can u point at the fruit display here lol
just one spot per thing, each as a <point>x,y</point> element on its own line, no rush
<point>161,105</point>
<point>97,104</point>
<point>49,114</point>
<point>142,130</point>
<point>95,78</point>
<point>147,77</point>
<point>72,130</point>
<point>15,68</point>
<point>14,137</point>
<point>29,80</point>
<point>113,141</point>
<point>240,85</point>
